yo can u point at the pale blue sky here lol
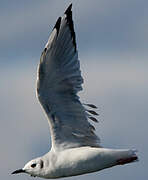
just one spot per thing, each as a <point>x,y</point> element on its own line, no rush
<point>112,38</point>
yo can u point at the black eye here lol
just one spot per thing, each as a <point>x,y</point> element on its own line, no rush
<point>33,165</point>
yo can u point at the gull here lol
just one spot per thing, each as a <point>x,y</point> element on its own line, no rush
<point>75,148</point>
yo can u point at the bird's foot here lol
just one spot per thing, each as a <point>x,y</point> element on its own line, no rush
<point>127,160</point>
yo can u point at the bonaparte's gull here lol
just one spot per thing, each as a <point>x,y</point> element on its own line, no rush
<point>75,147</point>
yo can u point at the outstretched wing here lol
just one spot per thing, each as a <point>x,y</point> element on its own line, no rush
<point>59,80</point>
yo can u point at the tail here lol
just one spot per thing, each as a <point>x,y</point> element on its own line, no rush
<point>131,157</point>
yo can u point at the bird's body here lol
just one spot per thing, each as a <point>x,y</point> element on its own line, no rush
<point>81,160</point>
<point>75,147</point>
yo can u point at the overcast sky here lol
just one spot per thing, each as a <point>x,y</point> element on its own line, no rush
<point>112,38</point>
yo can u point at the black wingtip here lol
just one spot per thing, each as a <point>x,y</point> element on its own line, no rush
<point>57,25</point>
<point>68,13</point>
<point>68,10</point>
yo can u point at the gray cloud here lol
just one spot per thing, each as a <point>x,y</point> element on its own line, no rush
<point>101,26</point>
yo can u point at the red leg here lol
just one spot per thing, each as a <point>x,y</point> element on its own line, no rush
<point>127,160</point>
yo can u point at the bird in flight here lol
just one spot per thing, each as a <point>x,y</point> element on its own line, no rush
<point>75,148</point>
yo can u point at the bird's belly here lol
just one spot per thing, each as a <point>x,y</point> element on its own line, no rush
<point>79,161</point>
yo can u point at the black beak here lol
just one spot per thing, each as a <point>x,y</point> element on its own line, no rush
<point>18,171</point>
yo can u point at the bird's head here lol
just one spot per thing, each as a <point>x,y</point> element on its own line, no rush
<point>33,167</point>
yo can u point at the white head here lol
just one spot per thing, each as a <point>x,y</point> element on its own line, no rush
<point>34,167</point>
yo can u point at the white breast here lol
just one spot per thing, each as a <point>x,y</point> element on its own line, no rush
<point>76,161</point>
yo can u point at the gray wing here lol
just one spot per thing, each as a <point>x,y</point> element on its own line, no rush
<point>59,80</point>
